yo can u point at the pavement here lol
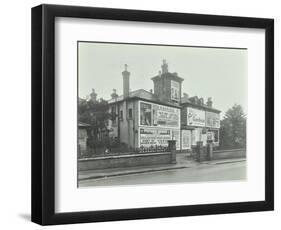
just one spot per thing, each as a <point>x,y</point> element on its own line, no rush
<point>183,162</point>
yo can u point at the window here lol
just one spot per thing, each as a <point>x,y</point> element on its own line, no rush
<point>130,113</point>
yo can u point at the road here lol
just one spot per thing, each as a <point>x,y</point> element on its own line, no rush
<point>201,173</point>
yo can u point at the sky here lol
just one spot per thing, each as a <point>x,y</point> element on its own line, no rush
<point>220,73</point>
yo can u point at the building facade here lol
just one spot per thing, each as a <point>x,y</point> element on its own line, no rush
<point>144,118</point>
<point>199,122</point>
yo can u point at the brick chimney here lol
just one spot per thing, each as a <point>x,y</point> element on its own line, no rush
<point>114,95</point>
<point>126,82</point>
<point>210,102</point>
<point>93,96</point>
<point>164,67</point>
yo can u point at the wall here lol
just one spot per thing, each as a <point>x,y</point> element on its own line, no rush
<point>127,126</point>
<point>15,101</point>
<point>228,154</point>
<point>82,139</point>
<point>125,161</point>
<point>124,124</point>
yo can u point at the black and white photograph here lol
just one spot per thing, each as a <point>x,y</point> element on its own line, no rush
<point>140,114</point>
<point>154,114</point>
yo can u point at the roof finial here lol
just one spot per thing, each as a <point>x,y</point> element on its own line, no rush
<point>126,66</point>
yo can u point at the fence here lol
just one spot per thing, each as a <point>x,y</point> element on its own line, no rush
<point>117,151</point>
<point>121,161</point>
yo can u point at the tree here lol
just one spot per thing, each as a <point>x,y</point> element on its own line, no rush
<point>95,113</point>
<point>233,128</point>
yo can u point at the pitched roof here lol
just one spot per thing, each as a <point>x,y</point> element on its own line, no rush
<point>141,94</point>
<point>136,93</point>
<point>187,101</point>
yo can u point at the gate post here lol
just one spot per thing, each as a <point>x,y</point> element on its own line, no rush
<point>199,151</point>
<point>172,149</point>
<point>210,150</point>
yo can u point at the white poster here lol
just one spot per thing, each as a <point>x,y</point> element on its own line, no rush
<point>185,139</point>
<point>212,120</point>
<point>176,136</point>
<point>175,90</point>
<point>210,136</point>
<point>196,117</point>
<point>159,115</point>
<point>152,136</point>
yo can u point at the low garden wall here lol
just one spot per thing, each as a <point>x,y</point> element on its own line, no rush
<point>130,160</point>
<point>228,154</point>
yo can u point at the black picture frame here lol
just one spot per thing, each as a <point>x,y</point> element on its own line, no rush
<point>43,114</point>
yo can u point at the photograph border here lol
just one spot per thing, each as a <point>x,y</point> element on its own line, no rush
<point>43,114</point>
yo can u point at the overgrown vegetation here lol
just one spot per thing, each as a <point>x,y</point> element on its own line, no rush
<point>233,128</point>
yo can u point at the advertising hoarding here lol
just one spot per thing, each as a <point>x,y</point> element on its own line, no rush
<point>153,136</point>
<point>186,139</point>
<point>212,120</point>
<point>175,90</point>
<point>196,117</point>
<point>214,136</point>
<point>198,134</point>
<point>145,114</point>
<point>210,136</point>
<point>159,115</point>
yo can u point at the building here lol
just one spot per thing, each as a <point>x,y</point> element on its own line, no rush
<point>82,137</point>
<point>142,118</point>
<point>199,122</point>
<point>145,119</point>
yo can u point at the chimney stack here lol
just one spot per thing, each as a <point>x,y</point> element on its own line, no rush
<point>126,82</point>
<point>93,96</point>
<point>164,67</point>
<point>185,95</point>
<point>210,102</point>
<point>114,95</point>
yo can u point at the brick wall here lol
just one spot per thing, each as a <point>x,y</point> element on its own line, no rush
<point>125,161</point>
<point>229,154</point>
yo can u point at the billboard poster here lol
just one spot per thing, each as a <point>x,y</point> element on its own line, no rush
<point>176,136</point>
<point>198,134</point>
<point>159,115</point>
<point>175,90</point>
<point>213,135</point>
<point>210,136</point>
<point>212,120</point>
<point>152,136</point>
<point>145,114</point>
<point>196,117</point>
<point>186,139</point>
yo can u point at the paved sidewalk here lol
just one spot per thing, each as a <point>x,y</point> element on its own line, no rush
<point>182,162</point>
